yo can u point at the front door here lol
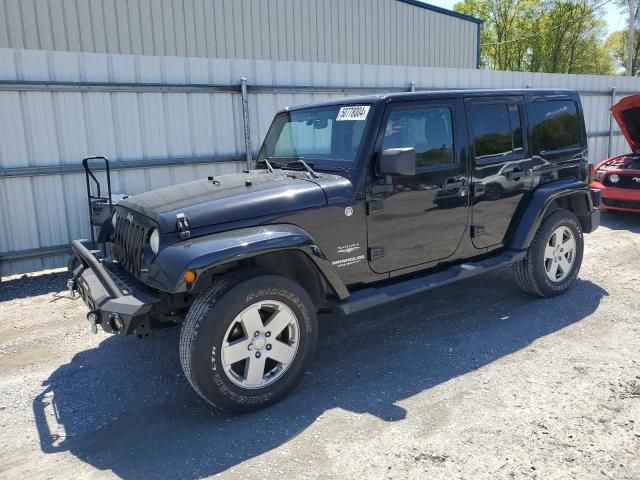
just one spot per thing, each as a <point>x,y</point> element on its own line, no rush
<point>420,219</point>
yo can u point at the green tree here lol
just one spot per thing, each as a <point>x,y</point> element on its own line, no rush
<point>617,48</point>
<point>564,36</point>
<point>631,9</point>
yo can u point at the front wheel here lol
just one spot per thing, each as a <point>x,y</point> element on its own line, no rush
<point>554,258</point>
<point>246,342</point>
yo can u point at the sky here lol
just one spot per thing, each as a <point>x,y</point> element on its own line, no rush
<point>615,18</point>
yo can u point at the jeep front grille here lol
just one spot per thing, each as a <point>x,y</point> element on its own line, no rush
<point>128,243</point>
<point>626,181</point>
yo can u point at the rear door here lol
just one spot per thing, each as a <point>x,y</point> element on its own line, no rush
<point>501,169</point>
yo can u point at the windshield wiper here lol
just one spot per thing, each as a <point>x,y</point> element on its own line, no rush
<point>305,165</point>
<point>267,163</point>
<point>309,167</point>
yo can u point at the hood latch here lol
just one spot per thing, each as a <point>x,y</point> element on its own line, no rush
<point>183,226</point>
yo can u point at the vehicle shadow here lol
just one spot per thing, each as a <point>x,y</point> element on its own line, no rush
<point>125,406</point>
<point>32,286</point>
<point>621,221</point>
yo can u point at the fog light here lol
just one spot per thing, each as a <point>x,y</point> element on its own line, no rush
<point>189,276</point>
<point>613,178</point>
<point>116,322</point>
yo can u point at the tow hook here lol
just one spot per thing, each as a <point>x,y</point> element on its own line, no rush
<point>93,321</point>
<point>71,285</point>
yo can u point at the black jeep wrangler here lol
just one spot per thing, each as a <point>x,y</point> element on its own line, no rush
<point>353,203</point>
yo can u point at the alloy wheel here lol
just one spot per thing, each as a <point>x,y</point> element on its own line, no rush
<point>260,344</point>
<point>560,254</point>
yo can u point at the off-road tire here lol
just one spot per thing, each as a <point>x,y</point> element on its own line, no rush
<point>530,272</point>
<point>207,321</point>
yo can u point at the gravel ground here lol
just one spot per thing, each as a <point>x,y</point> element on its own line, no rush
<point>474,380</point>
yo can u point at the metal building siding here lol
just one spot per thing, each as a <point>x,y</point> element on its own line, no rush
<point>387,32</point>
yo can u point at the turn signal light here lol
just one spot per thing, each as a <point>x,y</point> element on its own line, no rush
<point>189,276</point>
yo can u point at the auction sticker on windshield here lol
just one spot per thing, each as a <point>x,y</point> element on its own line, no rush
<point>359,112</point>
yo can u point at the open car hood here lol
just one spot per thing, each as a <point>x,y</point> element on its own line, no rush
<point>627,114</point>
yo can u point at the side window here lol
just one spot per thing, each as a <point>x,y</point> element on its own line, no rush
<point>428,130</point>
<point>509,168</point>
<point>497,130</point>
<point>556,125</point>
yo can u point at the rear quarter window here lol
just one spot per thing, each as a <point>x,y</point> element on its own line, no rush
<point>556,126</point>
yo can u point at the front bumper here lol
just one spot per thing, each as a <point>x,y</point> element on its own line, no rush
<point>622,199</point>
<point>117,305</point>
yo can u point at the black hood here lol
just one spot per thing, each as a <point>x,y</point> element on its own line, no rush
<point>235,197</point>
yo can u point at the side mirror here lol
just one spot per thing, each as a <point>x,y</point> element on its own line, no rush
<point>397,161</point>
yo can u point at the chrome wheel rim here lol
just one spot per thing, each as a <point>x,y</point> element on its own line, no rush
<point>560,254</point>
<point>260,344</point>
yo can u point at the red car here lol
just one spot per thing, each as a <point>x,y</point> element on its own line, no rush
<point>618,178</point>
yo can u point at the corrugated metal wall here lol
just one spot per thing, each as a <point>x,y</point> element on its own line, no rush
<point>40,128</point>
<point>387,32</point>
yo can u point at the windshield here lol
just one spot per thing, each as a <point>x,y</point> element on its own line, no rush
<point>317,134</point>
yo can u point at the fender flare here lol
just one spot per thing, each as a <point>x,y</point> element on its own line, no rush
<point>201,254</point>
<point>538,206</point>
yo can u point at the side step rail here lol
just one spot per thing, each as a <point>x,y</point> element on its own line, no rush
<point>372,297</point>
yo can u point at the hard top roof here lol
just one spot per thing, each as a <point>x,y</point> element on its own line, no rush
<point>400,96</point>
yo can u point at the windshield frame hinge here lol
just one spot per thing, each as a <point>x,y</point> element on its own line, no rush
<point>476,230</point>
<point>375,205</point>
<point>375,253</point>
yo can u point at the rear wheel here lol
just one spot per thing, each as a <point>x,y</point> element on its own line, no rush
<point>247,341</point>
<point>554,258</point>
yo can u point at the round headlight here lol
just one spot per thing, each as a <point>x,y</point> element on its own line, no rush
<point>613,178</point>
<point>114,220</point>
<point>154,241</point>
